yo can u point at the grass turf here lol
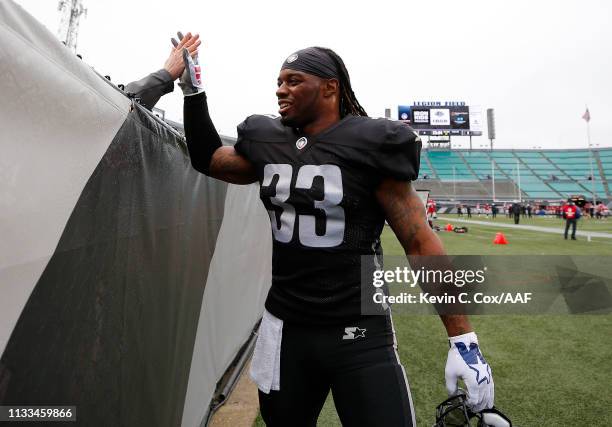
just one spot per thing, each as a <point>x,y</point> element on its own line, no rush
<point>479,241</point>
<point>584,224</point>
<point>548,370</point>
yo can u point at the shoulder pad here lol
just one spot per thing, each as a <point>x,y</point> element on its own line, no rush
<point>370,134</point>
<point>262,128</point>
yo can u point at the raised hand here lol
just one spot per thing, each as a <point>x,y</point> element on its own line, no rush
<point>175,65</point>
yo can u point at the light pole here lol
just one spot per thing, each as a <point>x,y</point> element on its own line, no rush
<point>518,181</point>
<point>454,187</point>
<point>591,163</point>
<point>493,179</point>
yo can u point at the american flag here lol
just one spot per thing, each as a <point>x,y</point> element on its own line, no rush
<point>587,116</point>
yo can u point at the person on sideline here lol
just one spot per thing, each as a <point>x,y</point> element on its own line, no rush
<point>571,214</point>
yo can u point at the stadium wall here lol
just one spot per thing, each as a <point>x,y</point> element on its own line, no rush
<point>122,270</point>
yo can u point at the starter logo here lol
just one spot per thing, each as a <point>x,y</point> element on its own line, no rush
<point>353,332</point>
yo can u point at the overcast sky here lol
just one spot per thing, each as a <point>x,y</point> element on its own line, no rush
<point>537,63</point>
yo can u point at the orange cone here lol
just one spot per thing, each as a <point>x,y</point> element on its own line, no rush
<point>448,227</point>
<point>500,239</point>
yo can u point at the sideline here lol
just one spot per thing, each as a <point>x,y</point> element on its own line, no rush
<point>559,230</point>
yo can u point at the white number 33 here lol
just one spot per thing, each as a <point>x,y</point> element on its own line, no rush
<point>334,214</point>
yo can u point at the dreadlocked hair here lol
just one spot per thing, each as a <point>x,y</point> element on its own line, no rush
<point>348,102</point>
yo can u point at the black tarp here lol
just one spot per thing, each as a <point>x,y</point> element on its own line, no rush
<point>111,324</point>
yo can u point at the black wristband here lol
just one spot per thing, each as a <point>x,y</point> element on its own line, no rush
<point>202,137</point>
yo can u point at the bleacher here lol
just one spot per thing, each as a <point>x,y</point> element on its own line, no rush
<point>540,174</point>
<point>450,166</point>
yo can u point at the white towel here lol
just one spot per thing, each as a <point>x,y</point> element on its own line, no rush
<point>265,365</point>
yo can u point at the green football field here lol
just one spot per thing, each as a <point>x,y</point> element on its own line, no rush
<point>478,240</point>
<point>584,224</point>
<point>549,370</point>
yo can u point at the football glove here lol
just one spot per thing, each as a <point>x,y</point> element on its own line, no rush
<point>465,361</point>
<point>174,41</point>
<point>191,79</point>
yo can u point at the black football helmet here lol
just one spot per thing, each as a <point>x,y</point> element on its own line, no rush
<point>454,412</point>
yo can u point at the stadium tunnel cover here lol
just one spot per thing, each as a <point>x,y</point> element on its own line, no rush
<point>114,250</point>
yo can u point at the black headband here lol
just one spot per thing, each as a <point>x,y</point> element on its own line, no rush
<point>312,61</point>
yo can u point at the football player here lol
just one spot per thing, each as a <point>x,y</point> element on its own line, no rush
<point>329,177</point>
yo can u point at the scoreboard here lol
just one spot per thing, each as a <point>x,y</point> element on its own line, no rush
<point>442,118</point>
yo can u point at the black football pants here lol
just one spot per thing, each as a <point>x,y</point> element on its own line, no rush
<point>357,361</point>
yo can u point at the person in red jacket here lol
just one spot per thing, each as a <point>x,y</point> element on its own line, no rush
<point>431,211</point>
<point>571,213</point>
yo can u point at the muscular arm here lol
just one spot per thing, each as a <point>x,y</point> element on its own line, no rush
<point>229,166</point>
<point>406,215</point>
<point>208,156</point>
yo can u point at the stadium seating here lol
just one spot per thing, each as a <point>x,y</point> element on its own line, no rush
<point>450,166</point>
<point>605,159</point>
<point>541,174</point>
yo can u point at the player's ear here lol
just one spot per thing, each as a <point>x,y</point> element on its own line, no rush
<point>331,87</point>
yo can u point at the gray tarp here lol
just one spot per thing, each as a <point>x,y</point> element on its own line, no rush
<point>57,119</point>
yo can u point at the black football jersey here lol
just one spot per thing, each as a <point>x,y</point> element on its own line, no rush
<point>319,191</point>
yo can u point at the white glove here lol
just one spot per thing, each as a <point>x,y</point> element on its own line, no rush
<point>465,361</point>
<point>191,79</point>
